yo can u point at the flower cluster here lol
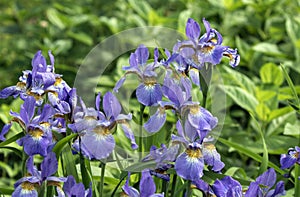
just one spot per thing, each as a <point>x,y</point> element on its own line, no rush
<point>291,158</point>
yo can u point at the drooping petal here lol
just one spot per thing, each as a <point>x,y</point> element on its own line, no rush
<point>49,165</point>
<point>156,121</point>
<point>129,134</point>
<point>148,94</point>
<point>192,29</point>
<point>4,131</point>
<point>212,157</point>
<point>34,145</point>
<point>202,185</point>
<point>189,165</point>
<point>119,84</point>
<point>9,91</point>
<point>28,109</point>
<point>147,185</point>
<point>98,143</point>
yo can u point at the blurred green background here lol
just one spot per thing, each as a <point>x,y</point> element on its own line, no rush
<point>266,33</point>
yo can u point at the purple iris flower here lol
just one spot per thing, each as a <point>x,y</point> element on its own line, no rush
<point>95,127</point>
<point>149,91</point>
<point>206,49</point>
<point>227,187</point>
<point>29,185</point>
<point>262,185</point>
<point>147,187</point>
<point>35,82</point>
<point>189,164</point>
<point>288,160</point>
<point>38,134</point>
<point>73,189</point>
<point>162,157</point>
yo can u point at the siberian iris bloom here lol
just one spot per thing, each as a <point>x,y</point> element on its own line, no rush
<point>162,157</point>
<point>205,49</point>
<point>29,185</point>
<point>263,184</point>
<point>227,187</point>
<point>293,157</point>
<point>38,134</point>
<point>95,127</point>
<point>73,189</point>
<point>34,82</point>
<point>147,187</point>
<point>149,91</point>
<point>189,164</point>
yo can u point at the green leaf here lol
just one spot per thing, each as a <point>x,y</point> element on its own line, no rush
<point>268,49</point>
<point>6,190</point>
<point>246,151</point>
<point>12,139</point>
<point>69,164</point>
<point>56,18</point>
<point>262,112</point>
<point>279,112</point>
<point>243,98</point>
<point>138,167</point>
<point>15,150</point>
<point>61,143</point>
<point>81,37</point>
<point>271,74</point>
<point>292,129</point>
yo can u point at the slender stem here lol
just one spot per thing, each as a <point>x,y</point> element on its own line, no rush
<point>102,165</point>
<point>205,78</point>
<point>142,108</point>
<point>164,187</point>
<point>44,189</point>
<point>173,185</point>
<point>297,181</point>
<point>188,189</point>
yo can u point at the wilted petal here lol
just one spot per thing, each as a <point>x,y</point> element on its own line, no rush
<point>149,94</point>
<point>156,121</point>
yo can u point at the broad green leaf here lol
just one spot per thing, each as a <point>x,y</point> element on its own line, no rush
<point>271,74</point>
<point>246,151</point>
<point>268,49</point>
<point>61,143</point>
<point>279,112</point>
<point>292,129</point>
<point>81,37</point>
<point>6,190</point>
<point>69,165</point>
<point>280,144</point>
<point>12,139</point>
<point>56,18</point>
<point>243,98</point>
<point>277,125</point>
<point>262,112</point>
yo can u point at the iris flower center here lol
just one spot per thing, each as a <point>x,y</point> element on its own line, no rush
<point>101,130</point>
<point>27,186</point>
<point>194,152</point>
<point>194,109</point>
<point>36,133</point>
<point>149,81</point>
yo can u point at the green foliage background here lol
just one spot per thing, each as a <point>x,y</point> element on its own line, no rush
<point>261,106</point>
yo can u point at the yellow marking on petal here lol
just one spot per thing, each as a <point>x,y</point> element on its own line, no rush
<point>101,130</point>
<point>149,81</point>
<point>21,85</point>
<point>58,81</point>
<point>296,155</point>
<point>123,194</point>
<point>207,49</point>
<point>54,183</point>
<point>209,146</point>
<point>36,133</point>
<point>27,186</point>
<point>194,109</point>
<point>45,124</point>
<point>194,153</point>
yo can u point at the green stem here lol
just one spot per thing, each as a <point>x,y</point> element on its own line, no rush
<point>173,185</point>
<point>44,189</point>
<point>188,189</point>
<point>164,187</point>
<point>142,108</point>
<point>102,165</point>
<point>297,181</point>
<point>205,78</point>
